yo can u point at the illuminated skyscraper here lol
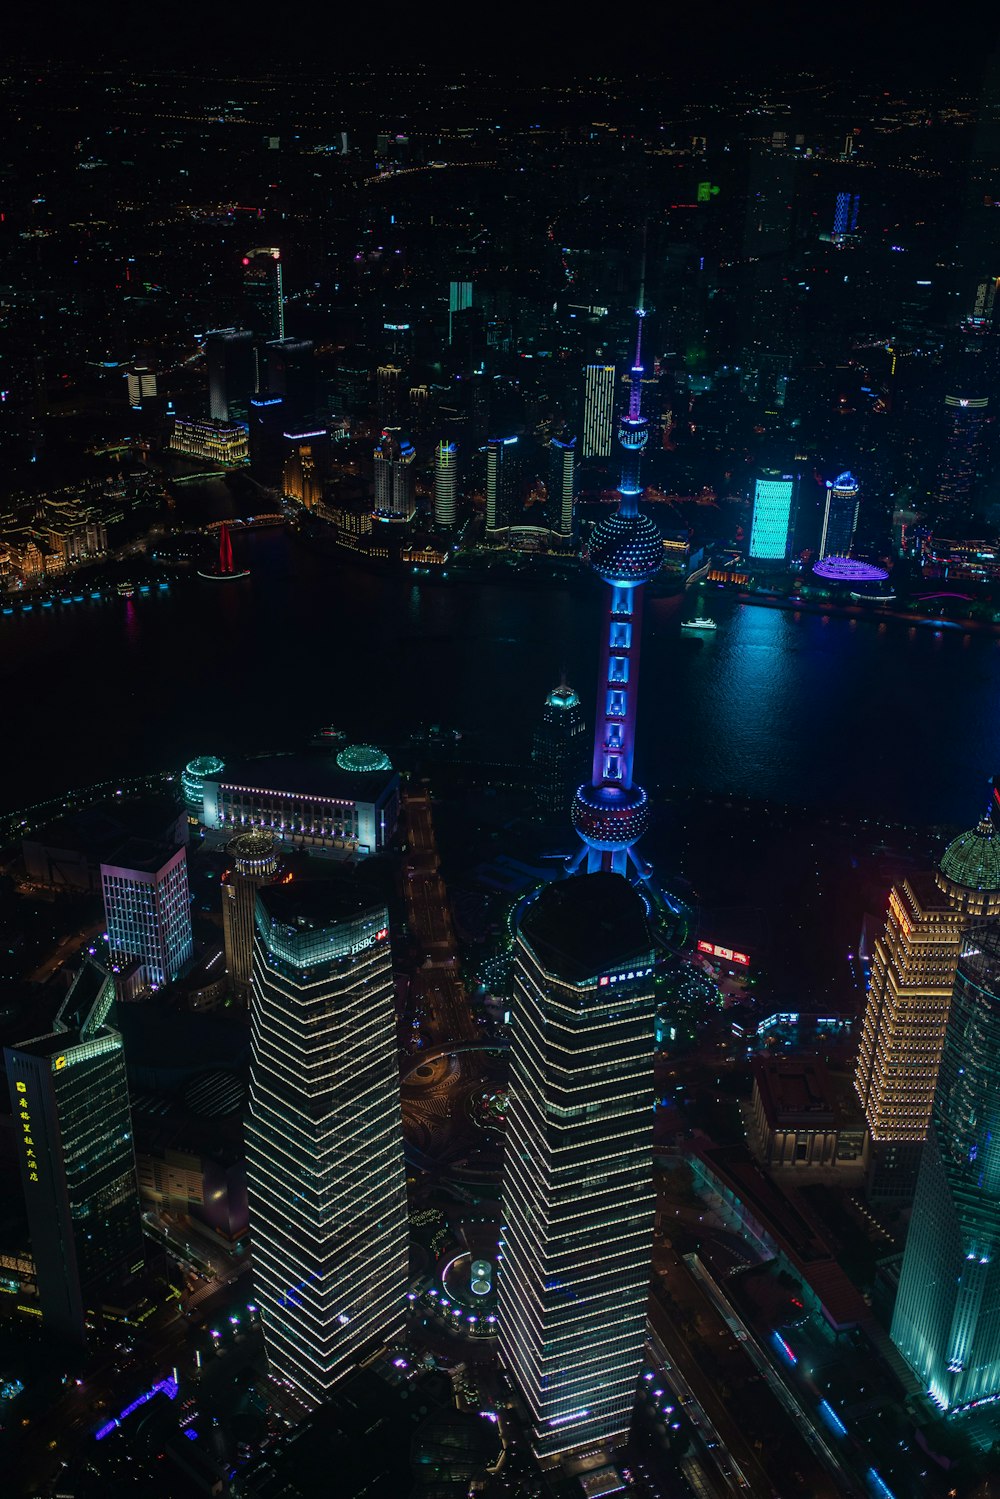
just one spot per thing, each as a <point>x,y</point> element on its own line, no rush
<point>845,214</point>
<point>562,460</point>
<point>388,394</point>
<point>559,750</point>
<point>147,908</point>
<point>626,550</point>
<point>263,296</point>
<point>946,1321</point>
<point>913,971</point>
<point>503,478</point>
<point>598,410</point>
<point>254,863</point>
<point>71,1110</point>
<point>840,518</point>
<point>232,373</point>
<point>324,1139</point>
<point>965,416</point>
<point>445,483</point>
<point>577,1201</point>
<point>771,526</point>
<point>394,476</point>
<point>459,300</point>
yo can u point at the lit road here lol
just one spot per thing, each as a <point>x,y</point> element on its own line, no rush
<point>814,1435</point>
<point>769,1447</point>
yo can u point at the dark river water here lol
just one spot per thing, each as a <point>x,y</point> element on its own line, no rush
<point>890,721</point>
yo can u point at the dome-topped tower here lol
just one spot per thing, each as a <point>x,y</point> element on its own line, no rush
<point>969,872</point>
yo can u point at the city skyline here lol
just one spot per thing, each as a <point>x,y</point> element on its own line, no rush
<point>427,1066</point>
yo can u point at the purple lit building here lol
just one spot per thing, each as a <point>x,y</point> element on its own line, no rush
<point>612,812</point>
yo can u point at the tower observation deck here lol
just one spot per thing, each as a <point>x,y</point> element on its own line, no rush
<point>612,812</point>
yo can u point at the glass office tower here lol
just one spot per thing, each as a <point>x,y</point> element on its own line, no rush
<point>72,1117</point>
<point>947,1317</point>
<point>147,907</point>
<point>771,525</point>
<point>577,1208</point>
<point>324,1135</point>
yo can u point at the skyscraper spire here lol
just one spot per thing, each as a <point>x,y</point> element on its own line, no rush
<point>612,813</point>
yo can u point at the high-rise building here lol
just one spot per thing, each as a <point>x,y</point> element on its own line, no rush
<point>141,381</point>
<point>946,1320</point>
<point>445,483</point>
<point>562,459</point>
<point>559,750</point>
<point>394,499</point>
<point>74,1125</point>
<point>459,300</point>
<point>324,1142</point>
<point>845,214</point>
<point>771,525</point>
<point>388,394</point>
<point>902,1031</point>
<point>232,373</point>
<point>254,864</point>
<point>598,411</point>
<point>291,374</point>
<point>577,1200</point>
<point>503,480</point>
<point>840,517</point>
<point>147,909</point>
<point>263,296</point>
<point>965,417</point>
<point>626,550</point>
<point>266,437</point>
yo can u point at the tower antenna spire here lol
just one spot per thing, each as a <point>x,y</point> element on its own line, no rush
<point>611,813</point>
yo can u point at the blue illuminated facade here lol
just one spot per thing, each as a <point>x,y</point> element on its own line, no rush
<point>771,526</point>
<point>947,1316</point>
<point>626,550</point>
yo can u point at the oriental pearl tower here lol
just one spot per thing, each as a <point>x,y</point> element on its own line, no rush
<point>612,812</point>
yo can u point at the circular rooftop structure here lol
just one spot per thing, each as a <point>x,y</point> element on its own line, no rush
<point>973,858</point>
<point>194,775</point>
<point>625,549</point>
<point>363,758</point>
<point>254,853</point>
<point>849,570</point>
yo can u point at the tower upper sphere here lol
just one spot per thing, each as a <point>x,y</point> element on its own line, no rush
<point>625,549</point>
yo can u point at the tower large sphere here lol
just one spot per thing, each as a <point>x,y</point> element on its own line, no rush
<point>625,549</point>
<point>610,817</point>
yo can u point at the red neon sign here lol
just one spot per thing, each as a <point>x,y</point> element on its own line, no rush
<point>731,956</point>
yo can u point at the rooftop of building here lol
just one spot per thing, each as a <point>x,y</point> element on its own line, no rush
<point>584,926</point>
<point>563,696</point>
<point>339,895</point>
<point>802,1093</point>
<point>973,858</point>
<point>141,855</point>
<point>85,991</point>
<point>100,829</point>
<point>927,892</point>
<point>788,1223</point>
<point>316,775</point>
